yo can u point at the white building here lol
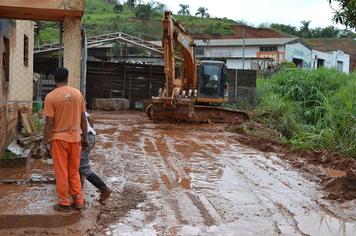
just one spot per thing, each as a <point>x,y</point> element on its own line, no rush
<point>243,54</point>
<point>336,59</point>
<point>251,53</point>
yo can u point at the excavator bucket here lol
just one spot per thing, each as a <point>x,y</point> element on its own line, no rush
<point>218,115</point>
<point>187,112</point>
<point>158,111</point>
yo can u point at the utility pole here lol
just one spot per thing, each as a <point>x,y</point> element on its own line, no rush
<point>243,49</point>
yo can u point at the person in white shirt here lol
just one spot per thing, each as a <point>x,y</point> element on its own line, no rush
<point>85,170</point>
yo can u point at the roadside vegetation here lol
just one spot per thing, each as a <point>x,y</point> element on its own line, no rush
<point>310,109</point>
<point>132,17</point>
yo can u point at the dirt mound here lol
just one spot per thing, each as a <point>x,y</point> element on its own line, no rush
<point>342,188</point>
<point>241,31</point>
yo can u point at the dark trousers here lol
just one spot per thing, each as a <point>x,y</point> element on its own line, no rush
<point>86,171</point>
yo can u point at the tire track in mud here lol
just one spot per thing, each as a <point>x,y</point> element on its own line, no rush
<point>271,205</point>
<point>300,200</point>
<point>178,183</point>
<point>206,182</point>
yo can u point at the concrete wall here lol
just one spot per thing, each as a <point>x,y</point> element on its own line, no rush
<point>3,96</point>
<point>328,58</point>
<point>299,51</point>
<point>234,54</point>
<point>21,75</point>
<point>19,86</point>
<point>331,59</point>
<point>344,58</point>
<point>250,51</point>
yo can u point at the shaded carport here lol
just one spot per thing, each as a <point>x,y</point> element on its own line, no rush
<point>67,11</point>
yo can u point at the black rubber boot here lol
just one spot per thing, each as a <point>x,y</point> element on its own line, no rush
<point>97,182</point>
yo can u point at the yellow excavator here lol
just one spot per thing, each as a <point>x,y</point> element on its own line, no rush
<point>200,88</point>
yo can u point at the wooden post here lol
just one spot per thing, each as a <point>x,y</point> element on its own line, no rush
<point>235,89</point>
<point>149,84</point>
<point>124,81</point>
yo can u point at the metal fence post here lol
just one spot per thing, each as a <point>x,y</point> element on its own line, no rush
<point>235,95</point>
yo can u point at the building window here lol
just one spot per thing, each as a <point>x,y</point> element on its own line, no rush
<point>298,62</point>
<point>340,66</point>
<point>25,51</point>
<point>5,59</point>
<point>200,51</point>
<point>268,49</point>
<point>320,62</point>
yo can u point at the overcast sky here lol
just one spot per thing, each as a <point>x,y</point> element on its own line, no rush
<point>262,11</point>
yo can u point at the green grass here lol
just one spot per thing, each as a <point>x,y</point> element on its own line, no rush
<point>312,109</point>
<point>99,18</point>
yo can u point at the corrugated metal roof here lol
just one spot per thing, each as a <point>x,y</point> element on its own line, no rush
<point>248,42</point>
<point>239,42</point>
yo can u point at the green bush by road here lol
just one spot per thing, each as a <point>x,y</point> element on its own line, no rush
<point>311,109</point>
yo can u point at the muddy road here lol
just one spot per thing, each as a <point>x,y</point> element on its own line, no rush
<point>179,179</point>
<point>199,180</point>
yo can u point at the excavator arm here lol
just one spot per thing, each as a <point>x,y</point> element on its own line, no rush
<point>177,39</point>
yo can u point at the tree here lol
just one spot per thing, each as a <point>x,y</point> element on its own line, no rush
<point>264,25</point>
<point>346,33</point>
<point>242,22</point>
<point>38,28</point>
<point>203,12</point>
<point>327,32</point>
<point>304,29</point>
<point>157,6</point>
<point>184,10</point>
<point>345,13</point>
<point>291,30</point>
<point>118,8</point>
<point>131,3</point>
<point>143,12</point>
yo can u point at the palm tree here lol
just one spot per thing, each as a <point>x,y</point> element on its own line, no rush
<point>304,30</point>
<point>184,11</point>
<point>203,12</point>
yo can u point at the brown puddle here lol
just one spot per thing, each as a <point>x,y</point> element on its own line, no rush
<point>336,173</point>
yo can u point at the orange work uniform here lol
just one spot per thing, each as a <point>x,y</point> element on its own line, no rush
<point>65,104</point>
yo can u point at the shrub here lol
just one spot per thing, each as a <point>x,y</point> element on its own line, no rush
<point>313,109</point>
<point>143,12</point>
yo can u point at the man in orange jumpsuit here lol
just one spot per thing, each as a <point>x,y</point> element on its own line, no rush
<point>65,118</point>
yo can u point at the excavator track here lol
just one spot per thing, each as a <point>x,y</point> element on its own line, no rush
<point>195,114</point>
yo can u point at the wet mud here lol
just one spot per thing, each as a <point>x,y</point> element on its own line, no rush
<point>335,172</point>
<point>179,179</point>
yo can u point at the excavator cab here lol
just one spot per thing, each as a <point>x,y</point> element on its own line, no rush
<point>212,82</point>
